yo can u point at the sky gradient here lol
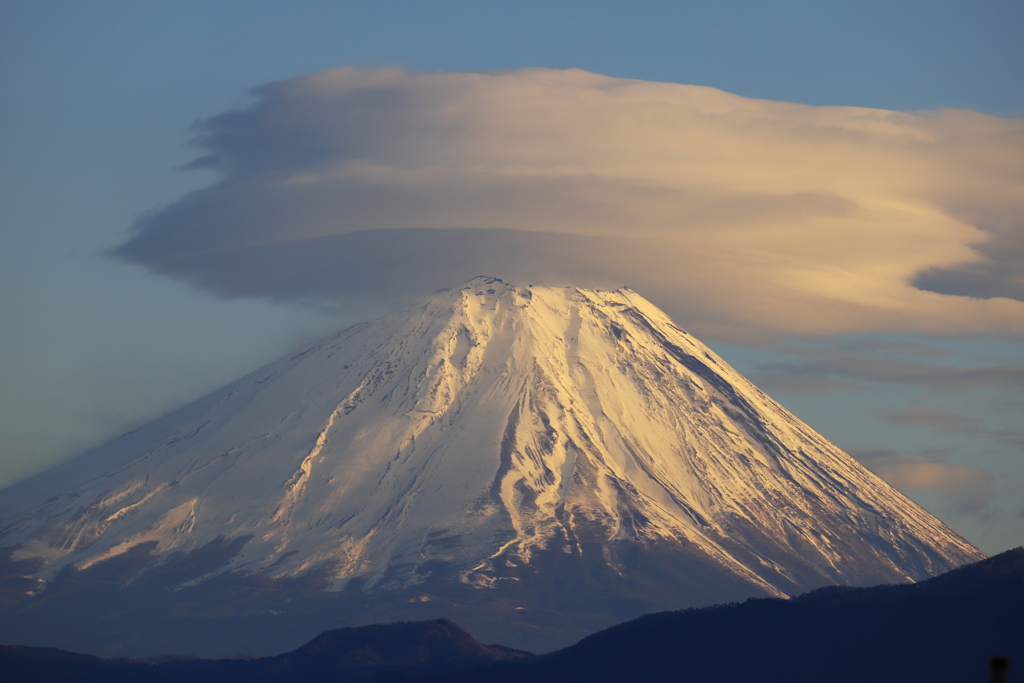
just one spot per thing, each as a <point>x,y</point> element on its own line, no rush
<point>864,267</point>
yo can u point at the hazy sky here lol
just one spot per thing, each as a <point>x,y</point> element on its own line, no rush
<point>829,194</point>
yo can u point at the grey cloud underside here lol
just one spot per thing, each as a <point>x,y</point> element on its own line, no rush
<point>267,237</point>
<point>981,281</point>
<point>391,265</point>
<point>388,268</point>
<point>999,274</point>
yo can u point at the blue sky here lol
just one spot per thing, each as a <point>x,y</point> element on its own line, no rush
<point>98,101</point>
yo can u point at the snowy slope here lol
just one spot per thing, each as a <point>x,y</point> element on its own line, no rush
<point>476,431</point>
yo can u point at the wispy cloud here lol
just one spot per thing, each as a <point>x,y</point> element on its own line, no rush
<point>969,488</point>
<point>828,374</point>
<point>736,215</point>
<point>933,418</point>
<point>947,422</point>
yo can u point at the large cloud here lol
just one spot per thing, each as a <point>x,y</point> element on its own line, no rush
<point>733,214</point>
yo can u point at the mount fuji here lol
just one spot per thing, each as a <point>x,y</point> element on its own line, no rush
<point>535,463</point>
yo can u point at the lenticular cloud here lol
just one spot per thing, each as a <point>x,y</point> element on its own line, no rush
<point>731,213</point>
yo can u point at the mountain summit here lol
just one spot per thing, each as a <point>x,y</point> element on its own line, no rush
<point>535,462</point>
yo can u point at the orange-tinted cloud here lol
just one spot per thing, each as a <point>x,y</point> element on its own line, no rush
<point>736,215</point>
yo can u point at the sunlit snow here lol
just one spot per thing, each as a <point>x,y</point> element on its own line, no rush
<point>477,428</point>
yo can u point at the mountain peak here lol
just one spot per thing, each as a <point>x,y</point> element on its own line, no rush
<point>490,438</point>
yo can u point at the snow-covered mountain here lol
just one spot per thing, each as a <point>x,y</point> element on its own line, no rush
<point>491,441</point>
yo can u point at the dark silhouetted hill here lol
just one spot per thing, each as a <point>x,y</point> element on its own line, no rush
<point>346,654</point>
<point>944,629</point>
